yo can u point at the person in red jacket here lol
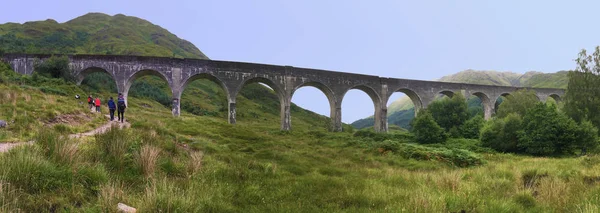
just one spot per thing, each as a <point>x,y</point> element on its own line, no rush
<point>97,104</point>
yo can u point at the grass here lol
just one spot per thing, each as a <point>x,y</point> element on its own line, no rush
<point>206,164</point>
<point>203,164</point>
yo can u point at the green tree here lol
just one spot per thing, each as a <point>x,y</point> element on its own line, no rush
<point>546,131</point>
<point>517,102</point>
<point>501,134</point>
<point>55,67</point>
<point>471,128</point>
<point>582,98</point>
<point>426,130</point>
<point>450,112</point>
<point>587,137</point>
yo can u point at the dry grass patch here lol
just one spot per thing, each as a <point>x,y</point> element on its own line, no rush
<point>147,158</point>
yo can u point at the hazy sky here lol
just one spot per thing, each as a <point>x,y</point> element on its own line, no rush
<point>402,39</point>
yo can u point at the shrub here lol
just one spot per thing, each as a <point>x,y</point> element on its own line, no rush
<point>518,102</point>
<point>587,135</point>
<point>500,134</point>
<point>426,130</point>
<point>55,67</point>
<point>472,127</point>
<point>450,112</point>
<point>545,131</point>
<point>453,157</point>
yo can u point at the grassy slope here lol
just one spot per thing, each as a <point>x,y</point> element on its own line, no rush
<point>95,33</point>
<point>398,111</point>
<point>254,167</point>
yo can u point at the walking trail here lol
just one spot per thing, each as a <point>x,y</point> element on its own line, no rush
<point>4,147</point>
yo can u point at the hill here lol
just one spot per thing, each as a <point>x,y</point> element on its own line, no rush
<point>400,111</point>
<point>95,33</point>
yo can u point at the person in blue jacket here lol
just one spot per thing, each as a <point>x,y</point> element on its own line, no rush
<point>112,107</point>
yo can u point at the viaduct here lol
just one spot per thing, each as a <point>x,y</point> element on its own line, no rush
<point>284,80</point>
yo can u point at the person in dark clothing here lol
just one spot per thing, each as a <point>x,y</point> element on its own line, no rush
<point>121,107</point>
<point>90,102</point>
<point>111,108</point>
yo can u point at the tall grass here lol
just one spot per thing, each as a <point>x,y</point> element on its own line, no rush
<point>146,158</point>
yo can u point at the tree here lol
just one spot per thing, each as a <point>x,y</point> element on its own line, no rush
<point>582,98</point>
<point>501,134</point>
<point>471,128</point>
<point>449,113</point>
<point>518,102</point>
<point>545,131</point>
<point>55,67</point>
<point>587,137</point>
<point>426,130</point>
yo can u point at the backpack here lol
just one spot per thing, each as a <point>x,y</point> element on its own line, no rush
<point>121,103</point>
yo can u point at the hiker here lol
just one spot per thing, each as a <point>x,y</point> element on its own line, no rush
<point>121,107</point>
<point>90,102</point>
<point>111,108</point>
<point>97,104</point>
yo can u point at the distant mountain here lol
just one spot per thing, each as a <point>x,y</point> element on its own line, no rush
<point>400,112</point>
<point>95,33</point>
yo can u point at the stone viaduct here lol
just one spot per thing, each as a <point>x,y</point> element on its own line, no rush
<point>284,80</point>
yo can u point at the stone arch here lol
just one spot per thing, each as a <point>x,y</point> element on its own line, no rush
<point>207,76</point>
<point>448,93</point>
<point>80,76</point>
<point>283,102</point>
<point>556,97</point>
<point>487,104</point>
<point>495,101</point>
<point>142,73</point>
<point>367,89</point>
<point>145,72</point>
<point>375,97</point>
<point>326,90</point>
<point>320,86</point>
<point>263,80</point>
<point>414,98</point>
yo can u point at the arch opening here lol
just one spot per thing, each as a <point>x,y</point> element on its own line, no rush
<point>258,100</point>
<point>97,80</point>
<point>354,103</point>
<point>402,107</point>
<point>499,101</point>
<point>479,104</point>
<point>312,103</point>
<point>204,95</point>
<point>150,85</point>
<point>445,93</point>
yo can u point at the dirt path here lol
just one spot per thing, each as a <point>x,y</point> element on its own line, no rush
<point>4,147</point>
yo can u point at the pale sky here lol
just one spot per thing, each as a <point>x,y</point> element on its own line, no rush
<point>402,39</point>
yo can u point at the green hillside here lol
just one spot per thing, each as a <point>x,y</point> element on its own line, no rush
<point>400,111</point>
<point>95,33</point>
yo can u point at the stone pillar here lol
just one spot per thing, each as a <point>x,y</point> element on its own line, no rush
<point>232,112</point>
<point>176,89</point>
<point>336,117</point>
<point>176,102</point>
<point>381,124</point>
<point>286,118</point>
<point>488,110</point>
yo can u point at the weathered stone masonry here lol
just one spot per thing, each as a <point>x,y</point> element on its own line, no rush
<point>284,80</point>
